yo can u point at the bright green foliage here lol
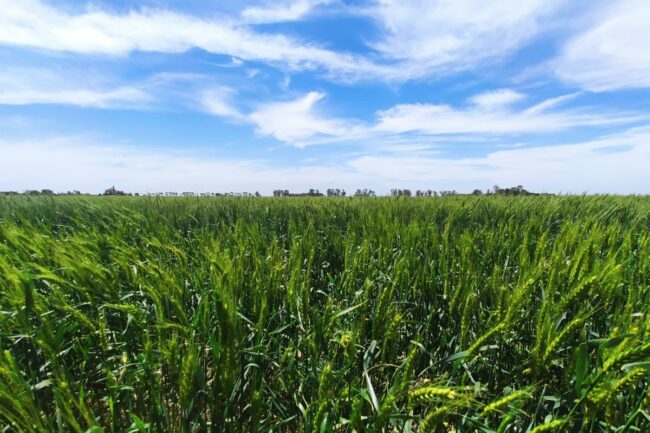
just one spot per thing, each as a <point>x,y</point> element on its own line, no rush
<point>466,314</point>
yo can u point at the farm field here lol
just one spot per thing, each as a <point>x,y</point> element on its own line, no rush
<point>465,314</point>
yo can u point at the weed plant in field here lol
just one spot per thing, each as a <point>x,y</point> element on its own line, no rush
<point>466,314</point>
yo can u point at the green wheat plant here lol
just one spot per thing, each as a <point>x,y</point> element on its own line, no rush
<point>453,314</point>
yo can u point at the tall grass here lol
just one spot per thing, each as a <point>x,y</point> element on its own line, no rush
<point>318,315</point>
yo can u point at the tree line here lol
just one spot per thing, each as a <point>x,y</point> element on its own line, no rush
<point>312,192</point>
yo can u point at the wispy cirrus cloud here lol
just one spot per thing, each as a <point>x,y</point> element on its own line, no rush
<point>297,121</point>
<point>612,53</point>
<point>304,120</point>
<point>430,37</point>
<point>492,113</point>
<point>417,38</point>
<point>218,101</point>
<point>159,92</point>
<point>497,98</point>
<point>281,11</point>
<point>81,88</point>
<point>32,23</point>
<point>26,86</point>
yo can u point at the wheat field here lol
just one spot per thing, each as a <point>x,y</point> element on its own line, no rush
<point>455,314</point>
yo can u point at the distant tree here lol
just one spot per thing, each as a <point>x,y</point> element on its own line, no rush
<point>313,193</point>
<point>364,193</point>
<point>335,192</point>
<point>515,191</point>
<point>281,193</point>
<point>113,191</point>
<point>477,192</point>
<point>400,192</point>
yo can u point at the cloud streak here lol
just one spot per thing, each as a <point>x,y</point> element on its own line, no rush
<point>493,119</point>
<point>572,168</point>
<point>69,163</point>
<point>613,52</point>
<point>66,163</point>
<point>297,121</point>
<point>40,86</point>
<point>300,123</point>
<point>417,39</point>
<point>281,11</point>
<point>440,36</point>
<point>32,23</point>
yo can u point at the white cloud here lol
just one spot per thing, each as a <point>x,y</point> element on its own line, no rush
<point>491,115</point>
<point>218,101</point>
<point>32,23</point>
<point>89,165</point>
<point>281,11</point>
<point>26,86</point>
<point>296,121</point>
<point>433,36</point>
<point>614,164</point>
<point>497,98</point>
<point>488,115</point>
<point>613,53</point>
<point>300,122</point>
<point>38,86</point>
<point>121,97</point>
<point>550,103</point>
<point>418,38</point>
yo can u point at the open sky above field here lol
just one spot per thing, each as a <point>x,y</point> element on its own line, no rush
<point>188,95</point>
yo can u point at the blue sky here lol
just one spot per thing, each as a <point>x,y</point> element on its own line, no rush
<point>155,95</point>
